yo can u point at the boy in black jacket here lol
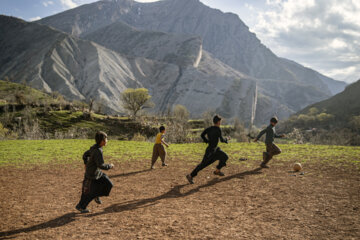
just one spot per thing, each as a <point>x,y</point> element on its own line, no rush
<point>271,148</point>
<point>213,152</point>
<point>96,183</point>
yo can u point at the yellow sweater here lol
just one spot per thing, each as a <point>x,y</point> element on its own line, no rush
<point>158,138</point>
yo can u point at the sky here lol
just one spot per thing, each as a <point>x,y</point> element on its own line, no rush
<point>320,34</point>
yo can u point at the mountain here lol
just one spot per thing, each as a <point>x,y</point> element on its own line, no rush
<point>48,59</point>
<point>332,121</point>
<point>182,50</point>
<point>223,35</point>
<point>343,105</point>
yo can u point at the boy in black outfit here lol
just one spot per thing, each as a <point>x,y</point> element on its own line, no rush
<point>271,148</point>
<point>213,152</point>
<point>96,183</point>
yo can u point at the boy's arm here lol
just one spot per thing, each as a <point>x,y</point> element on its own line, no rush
<point>100,161</point>
<point>203,136</point>
<point>224,140</point>
<point>260,134</point>
<point>279,136</point>
<point>163,142</point>
<point>86,156</point>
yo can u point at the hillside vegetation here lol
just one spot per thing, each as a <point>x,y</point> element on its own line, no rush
<point>32,114</point>
<point>335,120</point>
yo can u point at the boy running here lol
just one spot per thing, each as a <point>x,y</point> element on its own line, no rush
<point>159,149</point>
<point>96,183</point>
<point>213,152</point>
<point>271,148</point>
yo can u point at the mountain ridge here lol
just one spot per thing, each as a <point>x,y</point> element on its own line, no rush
<point>82,69</point>
<point>223,35</point>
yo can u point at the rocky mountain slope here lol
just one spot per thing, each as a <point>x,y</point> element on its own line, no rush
<point>182,50</point>
<point>79,69</point>
<point>223,35</point>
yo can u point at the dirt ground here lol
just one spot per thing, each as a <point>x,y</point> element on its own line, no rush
<point>248,203</point>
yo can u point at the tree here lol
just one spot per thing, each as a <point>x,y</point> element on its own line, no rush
<point>180,112</point>
<point>135,100</point>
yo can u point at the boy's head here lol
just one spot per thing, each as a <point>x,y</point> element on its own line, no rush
<point>217,120</point>
<point>101,138</point>
<point>162,129</point>
<point>274,121</point>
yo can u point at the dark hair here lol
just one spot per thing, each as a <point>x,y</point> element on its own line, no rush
<point>216,119</point>
<point>100,136</point>
<point>162,128</point>
<point>274,120</point>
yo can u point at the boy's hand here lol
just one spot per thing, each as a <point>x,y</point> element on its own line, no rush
<point>111,165</point>
<point>167,145</point>
<point>255,140</point>
<point>283,135</point>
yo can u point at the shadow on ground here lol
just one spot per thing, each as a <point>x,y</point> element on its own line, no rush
<point>175,192</point>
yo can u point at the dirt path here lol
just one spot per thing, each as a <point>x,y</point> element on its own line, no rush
<point>248,203</point>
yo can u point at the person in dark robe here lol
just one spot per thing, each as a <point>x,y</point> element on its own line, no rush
<point>96,183</point>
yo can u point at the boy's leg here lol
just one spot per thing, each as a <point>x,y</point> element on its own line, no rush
<point>155,155</point>
<point>207,160</point>
<point>162,154</point>
<point>271,150</point>
<point>85,200</point>
<point>222,157</point>
<point>87,194</point>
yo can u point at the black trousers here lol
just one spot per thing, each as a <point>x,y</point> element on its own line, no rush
<point>93,188</point>
<point>211,155</point>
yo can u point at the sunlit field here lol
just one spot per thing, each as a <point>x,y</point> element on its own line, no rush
<point>41,184</point>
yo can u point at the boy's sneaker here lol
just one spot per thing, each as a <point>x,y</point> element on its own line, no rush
<point>164,164</point>
<point>98,200</point>
<point>190,179</point>
<point>152,167</point>
<point>263,165</point>
<point>82,210</point>
<point>219,173</point>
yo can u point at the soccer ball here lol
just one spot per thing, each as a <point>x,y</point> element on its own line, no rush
<point>297,167</point>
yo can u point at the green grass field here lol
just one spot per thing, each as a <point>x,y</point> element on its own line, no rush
<point>40,152</point>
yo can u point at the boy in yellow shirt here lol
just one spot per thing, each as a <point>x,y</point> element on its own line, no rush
<point>159,149</point>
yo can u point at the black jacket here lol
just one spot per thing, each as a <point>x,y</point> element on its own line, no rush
<point>93,158</point>
<point>213,135</point>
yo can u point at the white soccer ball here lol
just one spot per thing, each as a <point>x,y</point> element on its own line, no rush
<point>297,167</point>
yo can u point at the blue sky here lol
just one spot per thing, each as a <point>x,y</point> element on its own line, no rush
<point>320,34</point>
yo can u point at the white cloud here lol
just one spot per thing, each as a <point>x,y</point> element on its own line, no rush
<point>321,34</point>
<point>47,3</point>
<point>338,43</point>
<point>68,4</point>
<point>34,19</point>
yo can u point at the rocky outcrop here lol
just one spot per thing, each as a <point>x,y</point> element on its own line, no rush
<point>181,50</point>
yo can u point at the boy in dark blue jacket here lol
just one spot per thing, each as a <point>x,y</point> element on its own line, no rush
<point>271,148</point>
